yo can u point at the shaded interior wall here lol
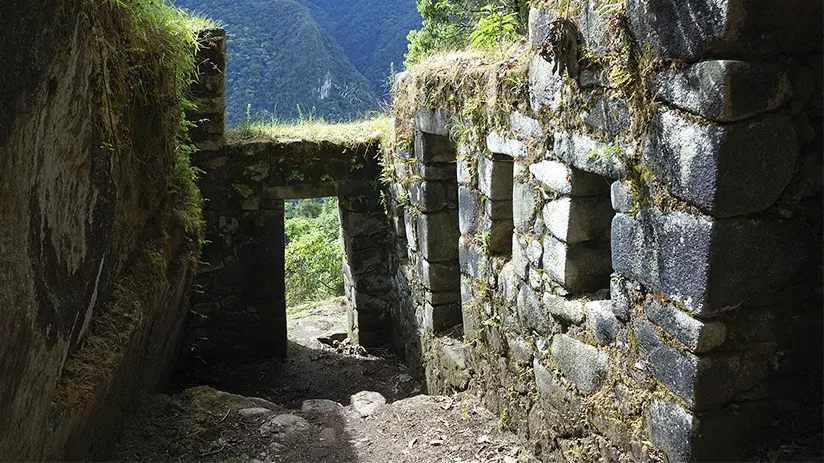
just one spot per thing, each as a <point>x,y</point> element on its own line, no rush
<point>664,281</point>
<point>94,259</point>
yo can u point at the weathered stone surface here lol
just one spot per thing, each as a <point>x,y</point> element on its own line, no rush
<point>567,180</point>
<point>434,148</point>
<point>471,257</point>
<point>285,424</point>
<point>435,171</point>
<point>438,277</point>
<point>675,370</point>
<point>438,235</point>
<point>619,296</point>
<point>254,412</point>
<point>452,362</point>
<point>698,336</point>
<point>725,170</point>
<point>725,90</point>
<point>581,267</point>
<point>602,322</point>
<point>693,29</point>
<point>608,115</point>
<point>509,282</point>
<point>710,265</point>
<point>432,122</point>
<point>574,220</point>
<point>585,365</point>
<point>523,206</point>
<point>567,310</point>
<point>469,210</point>
<point>593,76</point>
<point>362,223</point>
<point>535,279</point>
<point>520,262</point>
<point>366,403</point>
<point>588,154</point>
<point>465,174</point>
<point>539,20</point>
<point>593,29</point>
<point>320,406</point>
<point>530,313</point>
<point>495,178</point>
<point>441,317</point>
<point>520,349</point>
<point>534,251</point>
<point>670,428</point>
<point>526,126</point>
<point>498,144</point>
<point>410,222</point>
<point>545,87</point>
<point>562,408</point>
<point>620,197</point>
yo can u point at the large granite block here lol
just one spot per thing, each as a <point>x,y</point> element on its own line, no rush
<point>581,267</point>
<point>725,170</point>
<point>709,265</point>
<point>725,90</point>
<point>574,220</point>
<point>495,177</point>
<point>438,235</point>
<point>432,148</point>
<point>584,365</point>
<point>692,29</point>
<point>589,154</point>
<point>567,180</point>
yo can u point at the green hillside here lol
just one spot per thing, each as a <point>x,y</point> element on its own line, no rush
<point>279,58</point>
<point>371,32</point>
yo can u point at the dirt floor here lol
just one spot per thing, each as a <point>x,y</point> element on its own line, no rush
<point>302,409</point>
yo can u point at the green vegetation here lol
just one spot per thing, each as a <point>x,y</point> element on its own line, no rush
<point>366,131</point>
<point>145,53</point>
<point>450,25</point>
<point>372,33</point>
<point>314,255</point>
<point>282,63</point>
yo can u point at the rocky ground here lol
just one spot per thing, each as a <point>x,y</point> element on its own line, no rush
<point>330,401</point>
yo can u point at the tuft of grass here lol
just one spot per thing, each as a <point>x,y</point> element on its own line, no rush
<point>316,129</point>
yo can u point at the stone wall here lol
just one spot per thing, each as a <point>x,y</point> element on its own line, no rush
<point>239,309</point>
<point>621,255</point>
<point>623,260</point>
<point>96,253</point>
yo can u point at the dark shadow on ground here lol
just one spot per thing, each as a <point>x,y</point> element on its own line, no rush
<point>306,373</point>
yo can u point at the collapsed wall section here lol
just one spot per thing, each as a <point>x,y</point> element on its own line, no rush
<point>638,236</point>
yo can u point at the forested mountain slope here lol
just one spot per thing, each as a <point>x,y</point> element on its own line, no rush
<point>280,58</point>
<point>371,32</point>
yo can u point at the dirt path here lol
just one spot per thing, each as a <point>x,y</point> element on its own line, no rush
<point>302,410</point>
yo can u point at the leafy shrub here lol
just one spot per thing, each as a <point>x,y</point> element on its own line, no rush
<point>314,254</point>
<point>454,24</point>
<point>493,28</point>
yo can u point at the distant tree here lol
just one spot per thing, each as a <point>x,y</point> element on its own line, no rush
<point>314,256</point>
<point>449,24</point>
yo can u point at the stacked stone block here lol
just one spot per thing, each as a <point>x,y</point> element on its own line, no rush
<point>702,217</point>
<point>239,308</point>
<point>432,223</point>
<point>208,92</point>
<point>366,277</point>
<point>727,233</point>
